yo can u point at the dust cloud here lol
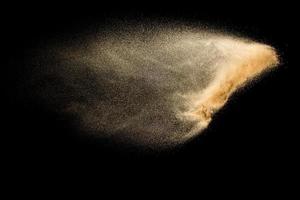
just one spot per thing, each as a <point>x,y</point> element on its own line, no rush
<point>150,85</point>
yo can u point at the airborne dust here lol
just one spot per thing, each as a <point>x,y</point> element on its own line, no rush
<point>147,85</point>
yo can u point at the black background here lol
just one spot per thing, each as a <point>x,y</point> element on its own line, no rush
<point>252,133</point>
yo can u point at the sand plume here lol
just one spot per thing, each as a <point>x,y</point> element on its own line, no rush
<point>146,85</point>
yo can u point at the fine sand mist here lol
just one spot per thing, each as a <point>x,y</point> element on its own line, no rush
<point>150,85</point>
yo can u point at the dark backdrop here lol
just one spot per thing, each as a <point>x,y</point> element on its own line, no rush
<point>251,132</point>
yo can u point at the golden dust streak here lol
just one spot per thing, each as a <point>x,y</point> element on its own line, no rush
<point>156,87</point>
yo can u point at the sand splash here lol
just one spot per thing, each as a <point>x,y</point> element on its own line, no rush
<point>146,85</point>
